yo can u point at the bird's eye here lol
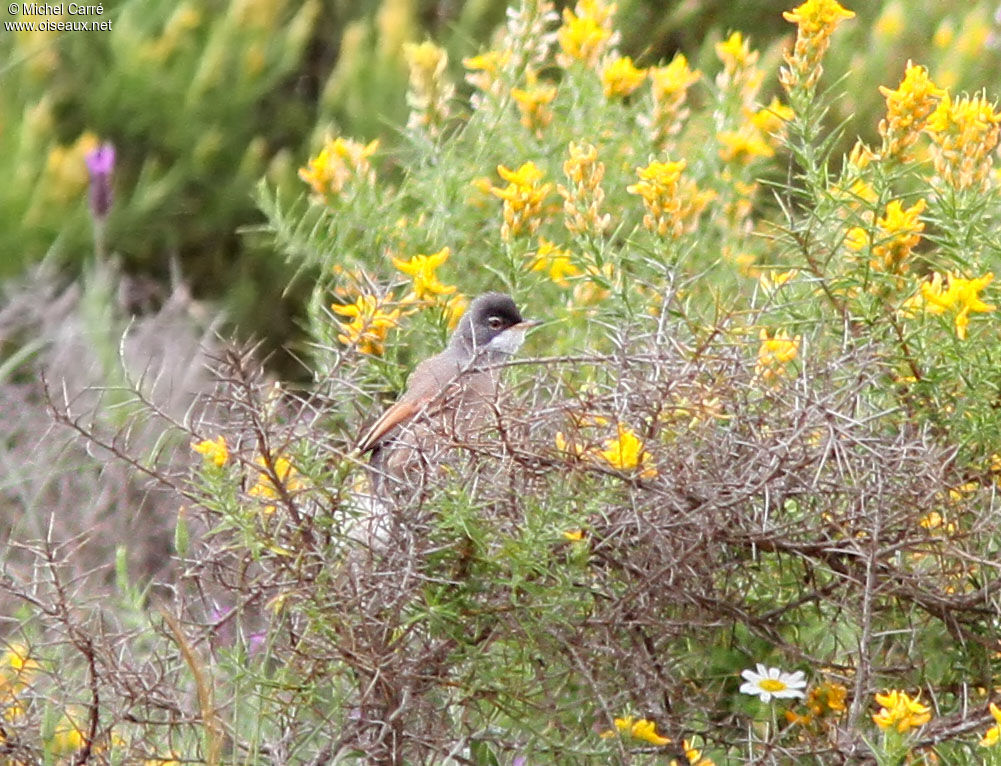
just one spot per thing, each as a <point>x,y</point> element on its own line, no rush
<point>495,323</point>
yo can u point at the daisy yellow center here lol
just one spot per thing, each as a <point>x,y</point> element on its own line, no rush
<point>772,684</point>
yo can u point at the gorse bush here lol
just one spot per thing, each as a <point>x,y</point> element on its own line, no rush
<point>737,503</point>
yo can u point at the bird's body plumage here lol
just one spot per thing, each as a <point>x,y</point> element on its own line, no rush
<point>450,394</point>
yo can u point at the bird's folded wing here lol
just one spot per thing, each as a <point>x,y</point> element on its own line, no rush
<point>428,384</point>
<point>400,412</point>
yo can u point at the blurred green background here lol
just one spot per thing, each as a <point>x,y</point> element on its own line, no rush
<point>202,99</point>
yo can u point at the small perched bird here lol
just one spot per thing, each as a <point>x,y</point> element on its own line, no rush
<point>449,394</point>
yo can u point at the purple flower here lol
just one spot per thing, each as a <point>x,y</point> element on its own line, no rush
<point>100,165</point>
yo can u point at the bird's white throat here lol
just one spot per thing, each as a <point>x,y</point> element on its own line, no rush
<point>509,341</point>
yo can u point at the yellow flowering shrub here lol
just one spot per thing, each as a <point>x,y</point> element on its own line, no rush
<point>758,423</point>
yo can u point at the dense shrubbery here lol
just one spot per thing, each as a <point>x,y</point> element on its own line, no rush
<point>759,426</point>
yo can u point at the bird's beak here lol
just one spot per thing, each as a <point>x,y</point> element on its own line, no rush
<point>526,324</point>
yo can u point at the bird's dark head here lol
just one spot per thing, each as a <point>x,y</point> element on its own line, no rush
<point>491,324</point>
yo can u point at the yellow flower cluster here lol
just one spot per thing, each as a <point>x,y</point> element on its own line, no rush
<point>454,308</point>
<point>619,77</point>
<point>642,729</point>
<point>771,120</point>
<point>555,261</point>
<point>743,145</point>
<point>586,33</point>
<point>741,79</point>
<point>533,103</point>
<point>626,452</point>
<point>371,321</point>
<point>822,701</point>
<point>952,293</point>
<point>900,712</point>
<point>583,195</point>
<point>774,353</point>
<point>340,161</point>
<point>897,234</point>
<point>17,671</point>
<point>993,734</point>
<point>523,197</point>
<point>214,450</point>
<point>265,489</point>
<point>741,75</point>
<point>422,269</point>
<point>485,74</point>
<point>964,132</point>
<point>907,110</point>
<point>673,204</point>
<point>693,755</point>
<point>429,91</point>
<point>623,452</point>
<point>65,175</point>
<point>816,21</point>
<point>668,90</point>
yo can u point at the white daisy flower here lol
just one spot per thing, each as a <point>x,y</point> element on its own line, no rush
<point>772,682</point>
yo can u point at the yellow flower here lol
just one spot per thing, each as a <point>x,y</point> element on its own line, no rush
<point>898,232</point>
<point>642,728</point>
<point>429,91</point>
<point>554,260</point>
<point>993,734</point>
<point>818,17</point>
<point>454,308</point>
<point>586,32</point>
<point>620,78</point>
<point>582,199</point>
<point>900,712</point>
<point>676,77</point>
<point>668,90</point>
<point>647,731</point>
<point>492,62</point>
<point>934,520</point>
<point>771,281</point>
<point>816,21</point>
<point>772,119</point>
<point>964,133</point>
<point>65,176</point>
<point>67,737</point>
<point>369,325</point>
<point>214,450</point>
<point>734,52</point>
<point>533,103</point>
<point>775,353</point>
<point>574,535</point>
<point>856,238</point>
<point>742,145</point>
<point>421,268</point>
<point>944,35</point>
<point>523,197</point>
<point>959,294</point>
<point>673,204</point>
<point>890,23</point>
<point>340,161</point>
<point>17,669</point>
<point>265,488</point>
<point>485,71</point>
<point>626,452</point>
<point>694,755</point>
<point>741,76</point>
<point>907,109</point>
<point>595,286</point>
